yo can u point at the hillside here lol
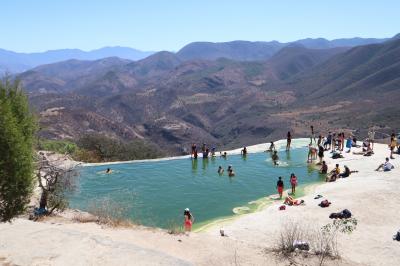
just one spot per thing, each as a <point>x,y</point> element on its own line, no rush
<point>371,70</point>
<point>173,102</point>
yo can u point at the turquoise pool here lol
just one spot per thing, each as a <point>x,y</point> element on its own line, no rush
<point>155,193</point>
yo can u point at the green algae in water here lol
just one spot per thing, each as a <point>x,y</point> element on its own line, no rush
<point>155,193</point>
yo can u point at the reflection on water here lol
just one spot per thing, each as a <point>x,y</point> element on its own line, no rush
<point>194,165</point>
<point>288,158</point>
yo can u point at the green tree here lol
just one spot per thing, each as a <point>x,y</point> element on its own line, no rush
<point>17,130</point>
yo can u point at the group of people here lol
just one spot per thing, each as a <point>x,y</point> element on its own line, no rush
<point>229,170</point>
<point>280,185</point>
<point>336,173</point>
<point>334,142</point>
<point>205,150</point>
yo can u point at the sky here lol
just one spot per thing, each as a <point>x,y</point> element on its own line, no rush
<point>154,25</point>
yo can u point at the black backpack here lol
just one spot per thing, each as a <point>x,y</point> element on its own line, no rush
<point>397,236</point>
<point>346,214</point>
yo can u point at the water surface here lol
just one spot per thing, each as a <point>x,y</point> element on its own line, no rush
<point>155,193</point>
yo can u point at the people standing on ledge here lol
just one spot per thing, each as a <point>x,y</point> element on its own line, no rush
<point>205,153</point>
<point>279,187</point>
<point>194,149</point>
<point>188,220</point>
<point>288,140</point>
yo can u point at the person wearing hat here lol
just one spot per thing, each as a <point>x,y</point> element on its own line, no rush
<point>188,220</point>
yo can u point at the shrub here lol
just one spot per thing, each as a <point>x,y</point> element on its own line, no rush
<point>110,213</point>
<point>325,243</point>
<point>174,228</point>
<point>293,231</point>
<point>59,146</point>
<point>322,242</point>
<point>17,131</point>
<point>103,148</point>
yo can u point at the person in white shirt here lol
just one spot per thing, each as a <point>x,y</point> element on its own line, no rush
<point>387,166</point>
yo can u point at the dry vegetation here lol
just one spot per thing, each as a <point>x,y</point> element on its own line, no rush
<point>105,212</point>
<point>321,242</point>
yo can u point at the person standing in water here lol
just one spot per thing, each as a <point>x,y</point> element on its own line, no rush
<point>220,170</point>
<point>288,140</point>
<point>279,187</point>
<point>321,153</point>
<point>194,148</point>
<point>244,151</point>
<point>188,220</point>
<point>275,157</point>
<point>293,183</point>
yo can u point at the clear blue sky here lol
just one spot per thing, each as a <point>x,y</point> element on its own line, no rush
<point>39,25</point>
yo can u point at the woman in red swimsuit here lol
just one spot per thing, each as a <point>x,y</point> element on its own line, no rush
<point>189,219</point>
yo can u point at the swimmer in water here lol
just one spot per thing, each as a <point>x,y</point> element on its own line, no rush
<point>244,151</point>
<point>224,155</point>
<point>230,171</point>
<point>108,171</point>
<point>275,157</point>
<point>220,170</point>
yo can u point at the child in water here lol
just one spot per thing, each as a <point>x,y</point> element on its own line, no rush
<point>188,220</point>
<point>108,171</point>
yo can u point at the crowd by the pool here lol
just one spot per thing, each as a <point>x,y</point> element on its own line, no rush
<point>335,144</point>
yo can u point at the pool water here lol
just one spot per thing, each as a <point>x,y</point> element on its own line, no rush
<point>155,193</point>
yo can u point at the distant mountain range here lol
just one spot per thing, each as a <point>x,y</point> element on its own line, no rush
<point>253,51</point>
<point>172,100</point>
<point>18,62</point>
<point>13,62</point>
